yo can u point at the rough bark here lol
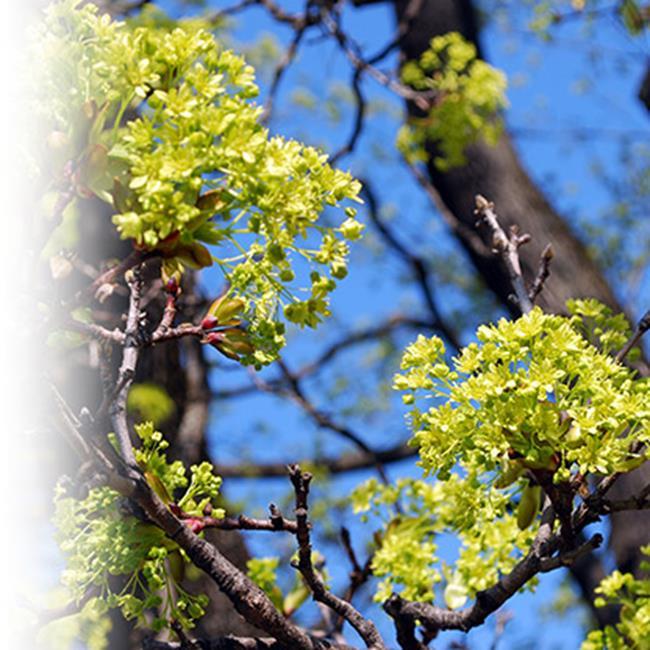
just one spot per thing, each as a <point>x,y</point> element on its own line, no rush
<point>497,173</point>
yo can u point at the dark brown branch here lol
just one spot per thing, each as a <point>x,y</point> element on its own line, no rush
<point>350,462</point>
<point>409,16</point>
<point>353,338</point>
<point>295,20</point>
<point>248,599</point>
<point>465,234</point>
<point>642,327</point>
<point>542,272</point>
<point>125,477</point>
<point>358,576</point>
<point>639,502</point>
<point>362,336</point>
<point>281,68</point>
<point>589,511</point>
<point>323,420</point>
<point>243,522</point>
<point>541,558</point>
<point>364,627</point>
<point>569,557</point>
<point>435,618</point>
<point>235,643</point>
<point>424,100</point>
<point>405,626</point>
<point>357,125</point>
<point>229,11</point>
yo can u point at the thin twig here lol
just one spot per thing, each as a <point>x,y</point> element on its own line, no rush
<point>281,68</point>
<point>641,328</point>
<point>422,99</point>
<point>468,236</point>
<point>542,272</point>
<point>331,352</point>
<point>359,115</point>
<point>126,373</point>
<point>364,627</point>
<point>358,576</point>
<point>296,392</point>
<point>229,11</point>
<point>507,246</point>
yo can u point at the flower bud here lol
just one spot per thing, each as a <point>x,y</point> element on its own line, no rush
<point>171,286</point>
<point>209,322</point>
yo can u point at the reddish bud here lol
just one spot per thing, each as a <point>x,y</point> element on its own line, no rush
<point>213,338</point>
<point>209,322</point>
<point>172,286</point>
<point>195,525</point>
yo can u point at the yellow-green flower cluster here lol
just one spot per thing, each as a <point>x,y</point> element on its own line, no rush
<point>101,538</point>
<point>159,123</point>
<point>633,596</point>
<point>534,389</point>
<point>490,542</point>
<point>469,94</point>
<point>538,394</point>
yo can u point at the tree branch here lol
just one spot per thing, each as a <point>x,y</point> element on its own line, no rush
<point>641,328</point>
<point>350,462</point>
<point>507,246</point>
<point>364,627</point>
<point>542,273</point>
<point>233,643</point>
<point>126,373</point>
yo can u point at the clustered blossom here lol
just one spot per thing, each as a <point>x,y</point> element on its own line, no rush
<point>161,125</point>
<point>538,394</point>
<point>469,94</point>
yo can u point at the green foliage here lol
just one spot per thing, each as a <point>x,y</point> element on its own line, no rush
<point>469,96</point>
<point>633,596</point>
<point>263,572</point>
<point>490,540</point>
<point>600,326</point>
<point>102,539</point>
<point>531,395</point>
<point>159,123</point>
<point>548,13</point>
<point>151,402</point>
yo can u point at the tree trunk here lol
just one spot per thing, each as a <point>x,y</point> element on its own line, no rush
<point>497,173</point>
